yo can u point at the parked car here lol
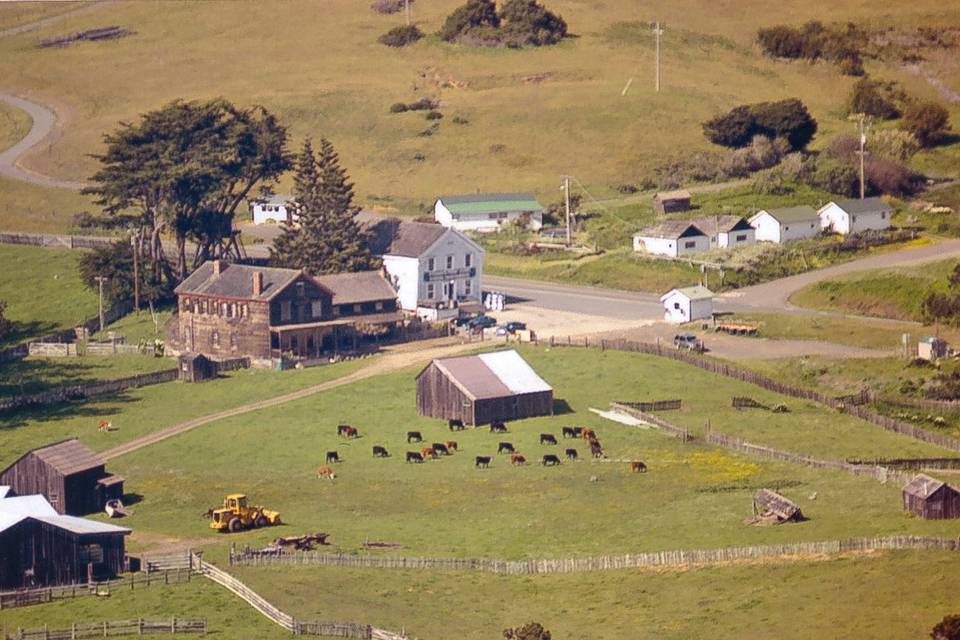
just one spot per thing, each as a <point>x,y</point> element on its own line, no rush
<point>513,327</point>
<point>482,322</point>
<point>688,341</point>
<point>462,321</point>
<point>502,330</point>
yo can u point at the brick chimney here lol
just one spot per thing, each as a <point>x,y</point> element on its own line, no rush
<point>217,267</point>
<point>257,283</point>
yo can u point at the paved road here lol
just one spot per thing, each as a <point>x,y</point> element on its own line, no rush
<point>44,121</point>
<point>595,301</point>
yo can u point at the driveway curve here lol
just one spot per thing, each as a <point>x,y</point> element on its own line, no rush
<point>44,122</point>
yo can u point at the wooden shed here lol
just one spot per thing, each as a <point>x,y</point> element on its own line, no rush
<point>43,548</point>
<point>671,201</point>
<point>482,389</point>
<point>769,504</point>
<point>68,474</point>
<point>196,367</point>
<point>931,499</point>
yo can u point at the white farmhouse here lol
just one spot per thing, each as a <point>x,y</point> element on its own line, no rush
<point>437,272</point>
<point>672,238</point>
<point>687,304</point>
<point>853,216</point>
<point>488,211</point>
<point>783,225</point>
<point>726,231</point>
<point>272,209</point>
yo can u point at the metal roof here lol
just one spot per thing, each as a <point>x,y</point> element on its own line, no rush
<point>492,375</point>
<point>696,292</point>
<point>67,457</point>
<point>490,203</point>
<point>395,237</point>
<point>671,229</point>
<point>711,225</point>
<point>803,213</point>
<point>16,510</point>
<point>357,287</point>
<point>514,372</point>
<point>236,281</point>
<point>923,486</point>
<point>867,205</point>
<point>273,199</point>
<point>4,490</point>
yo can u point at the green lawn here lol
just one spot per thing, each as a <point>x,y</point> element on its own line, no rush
<point>14,124</point>
<point>147,326</point>
<point>34,374</point>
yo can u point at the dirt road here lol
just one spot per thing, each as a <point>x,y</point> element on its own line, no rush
<point>44,125</point>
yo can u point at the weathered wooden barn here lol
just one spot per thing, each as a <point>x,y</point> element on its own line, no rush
<point>770,504</point>
<point>671,201</point>
<point>931,499</point>
<point>482,389</point>
<point>68,474</point>
<point>43,548</point>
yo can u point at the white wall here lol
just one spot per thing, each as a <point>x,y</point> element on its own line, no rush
<point>441,214</point>
<point>770,230</point>
<point>701,309</point>
<point>767,229</point>
<point>656,246</point>
<point>834,218</point>
<point>277,213</point>
<point>676,309</point>
<point>482,221</point>
<point>725,239</point>
<point>699,244</point>
<point>800,230</point>
<point>404,272</point>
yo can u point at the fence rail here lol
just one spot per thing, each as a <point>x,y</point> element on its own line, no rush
<point>114,313</point>
<point>665,426</point>
<point>29,597</point>
<point>602,563</point>
<point>87,390</point>
<point>656,405</point>
<point>106,629</point>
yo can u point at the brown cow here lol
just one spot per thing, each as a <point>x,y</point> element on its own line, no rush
<point>326,472</point>
<point>105,426</point>
<point>517,459</point>
<point>452,445</point>
<point>638,467</point>
<point>587,433</point>
<point>350,432</point>
<point>428,452</point>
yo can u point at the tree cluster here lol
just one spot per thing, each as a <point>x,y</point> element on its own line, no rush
<point>787,119</point>
<point>883,173</point>
<point>529,631</point>
<point>875,98</point>
<point>947,629</point>
<point>944,306</point>
<point>401,36</point>
<point>927,121</point>
<point>814,41</point>
<point>115,263</point>
<point>518,23</point>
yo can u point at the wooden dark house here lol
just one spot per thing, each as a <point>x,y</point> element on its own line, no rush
<point>196,367</point>
<point>769,504</point>
<point>931,499</point>
<point>232,310</point>
<point>482,389</point>
<point>68,474</point>
<point>43,548</point>
<point>671,201</point>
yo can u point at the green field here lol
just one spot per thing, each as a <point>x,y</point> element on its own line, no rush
<point>34,374</point>
<point>14,124</point>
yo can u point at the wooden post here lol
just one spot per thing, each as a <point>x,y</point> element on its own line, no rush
<point>139,626</point>
<point>73,631</point>
<point>104,628</point>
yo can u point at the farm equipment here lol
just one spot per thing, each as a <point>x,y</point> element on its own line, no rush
<point>236,515</point>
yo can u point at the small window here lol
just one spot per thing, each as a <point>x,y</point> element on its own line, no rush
<point>676,305</point>
<point>787,228</point>
<point>91,553</point>
<point>336,311</point>
<point>233,341</point>
<point>883,215</point>
<point>741,237</point>
<point>430,291</point>
<point>215,338</point>
<point>243,311</point>
<point>449,262</point>
<point>357,308</point>
<point>203,306</point>
<point>467,287</point>
<point>316,308</point>
<point>285,312</point>
<point>853,219</point>
<point>301,290</point>
<point>690,244</point>
<point>378,306</point>
<point>468,260</point>
<point>431,264</point>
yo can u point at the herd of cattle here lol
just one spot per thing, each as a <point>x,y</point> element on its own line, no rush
<point>436,449</point>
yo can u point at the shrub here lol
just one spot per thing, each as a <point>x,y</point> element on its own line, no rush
<point>927,121</point>
<point>388,6</point>
<point>788,119</point>
<point>851,64</point>
<point>474,14</point>
<point>6,325</point>
<point>529,631</point>
<point>886,176</point>
<point>834,177</point>
<point>895,144</point>
<point>398,107</point>
<point>423,104</point>
<point>401,36</point>
<point>460,120</point>
<point>434,115</point>
<point>781,41</point>
<point>527,23</point>
<point>872,98</point>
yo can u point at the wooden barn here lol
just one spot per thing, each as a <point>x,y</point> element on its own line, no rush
<point>931,499</point>
<point>769,504</point>
<point>482,389</point>
<point>671,201</point>
<point>69,475</point>
<point>43,548</point>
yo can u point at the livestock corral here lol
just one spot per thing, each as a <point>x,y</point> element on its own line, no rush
<point>470,496</point>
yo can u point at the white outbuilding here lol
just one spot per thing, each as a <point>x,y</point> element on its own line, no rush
<point>853,216</point>
<point>272,209</point>
<point>672,238</point>
<point>486,212</point>
<point>726,232</point>
<point>687,304</point>
<point>788,223</point>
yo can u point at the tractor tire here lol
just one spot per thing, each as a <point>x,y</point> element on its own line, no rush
<point>235,525</point>
<point>276,521</point>
<point>261,521</point>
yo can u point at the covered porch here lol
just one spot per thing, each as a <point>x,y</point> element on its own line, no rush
<point>331,337</point>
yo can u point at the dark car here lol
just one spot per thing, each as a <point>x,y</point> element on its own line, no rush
<point>688,341</point>
<point>462,321</point>
<point>513,327</point>
<point>483,322</point>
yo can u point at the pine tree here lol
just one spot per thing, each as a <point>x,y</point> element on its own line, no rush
<point>326,237</point>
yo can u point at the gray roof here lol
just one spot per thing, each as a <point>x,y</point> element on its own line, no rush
<point>867,205</point>
<point>273,199</point>
<point>357,287</point>
<point>681,194</point>
<point>486,197</point>
<point>802,213</point>
<point>923,486</point>
<point>67,457</point>
<point>395,237</point>
<point>774,503</point>
<point>492,375</point>
<point>236,281</point>
<point>696,292</point>
<point>711,225</point>
<point>671,229</point>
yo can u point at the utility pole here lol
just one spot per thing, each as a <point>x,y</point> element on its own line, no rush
<point>136,273</point>
<point>863,125</point>
<point>566,199</point>
<point>657,31</point>
<point>406,8</point>
<point>100,280</point>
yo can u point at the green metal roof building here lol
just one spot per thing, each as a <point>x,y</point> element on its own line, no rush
<point>488,211</point>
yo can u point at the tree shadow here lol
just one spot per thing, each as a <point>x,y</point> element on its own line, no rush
<point>23,331</point>
<point>30,376</point>
<point>82,408</point>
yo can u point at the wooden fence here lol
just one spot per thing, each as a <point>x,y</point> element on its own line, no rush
<point>29,597</point>
<point>66,349</point>
<point>744,402</point>
<point>656,405</point>
<point>87,390</point>
<point>910,464</point>
<point>648,560</point>
<point>56,241</point>
<point>106,629</point>
<point>665,426</point>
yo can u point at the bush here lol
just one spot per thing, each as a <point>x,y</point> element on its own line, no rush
<point>813,41</point>
<point>401,36</point>
<point>788,119</point>
<point>519,23</point>
<point>6,325</point>
<point>460,120</point>
<point>927,121</point>
<point>781,41</point>
<point>836,178</point>
<point>529,631</point>
<point>895,144</point>
<point>398,107</point>
<point>474,14</point>
<point>872,98</point>
<point>434,115</point>
<point>947,629</point>
<point>423,104</point>
<point>388,6</point>
<point>886,176</point>
<point>851,64</point>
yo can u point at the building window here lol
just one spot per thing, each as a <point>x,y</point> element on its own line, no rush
<point>357,308</point>
<point>787,228</point>
<point>285,312</point>
<point>316,308</point>
<point>883,215</point>
<point>742,237</point>
<point>449,262</point>
<point>91,553</point>
<point>468,260</point>
<point>203,306</point>
<point>215,338</point>
<point>336,311</point>
<point>430,291</point>
<point>378,306</point>
<point>690,244</point>
<point>431,264</point>
<point>243,311</point>
<point>676,305</point>
<point>233,341</point>
<point>467,287</point>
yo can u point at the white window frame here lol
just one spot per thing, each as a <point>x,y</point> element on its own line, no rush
<point>316,308</point>
<point>450,262</point>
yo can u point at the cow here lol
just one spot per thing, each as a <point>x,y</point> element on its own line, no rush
<point>547,438</point>
<point>333,456</point>
<point>342,429</point>
<point>498,426</point>
<point>413,456</point>
<point>105,426</point>
<point>638,467</point>
<point>482,461</point>
<point>569,432</point>
<point>351,432</point>
<point>439,447</point>
<point>587,433</point>
<point>550,460</point>
<point>428,452</point>
<point>452,445</point>
<point>455,424</point>
<point>597,451</point>
<point>326,472</point>
<point>517,459</point>
<point>578,432</point>
<point>380,452</point>
<point>505,446</point>
<point>571,454</point>
<point>414,436</point>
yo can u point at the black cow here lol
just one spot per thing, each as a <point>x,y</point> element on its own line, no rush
<point>597,451</point>
<point>482,461</point>
<point>569,432</point>
<point>440,448</point>
<point>414,456</point>
<point>333,456</point>
<point>380,452</point>
<point>505,446</point>
<point>550,460</point>
<point>498,426</point>
<point>455,424</point>
<point>414,436</point>
<point>571,454</point>
<point>578,432</point>
<point>547,438</point>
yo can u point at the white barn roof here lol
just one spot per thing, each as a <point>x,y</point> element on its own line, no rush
<point>698,292</point>
<point>514,372</point>
<point>15,510</point>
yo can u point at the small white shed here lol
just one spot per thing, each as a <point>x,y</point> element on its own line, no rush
<point>853,216</point>
<point>671,238</point>
<point>687,304</point>
<point>789,223</point>
<point>272,209</point>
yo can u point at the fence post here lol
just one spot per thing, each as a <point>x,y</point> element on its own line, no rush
<point>139,626</point>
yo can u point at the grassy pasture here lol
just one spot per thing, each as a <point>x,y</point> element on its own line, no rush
<point>35,374</point>
<point>694,496</point>
<point>37,209</point>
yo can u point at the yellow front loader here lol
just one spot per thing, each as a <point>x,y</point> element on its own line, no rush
<point>236,515</point>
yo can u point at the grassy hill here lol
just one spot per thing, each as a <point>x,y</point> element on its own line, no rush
<point>532,114</point>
